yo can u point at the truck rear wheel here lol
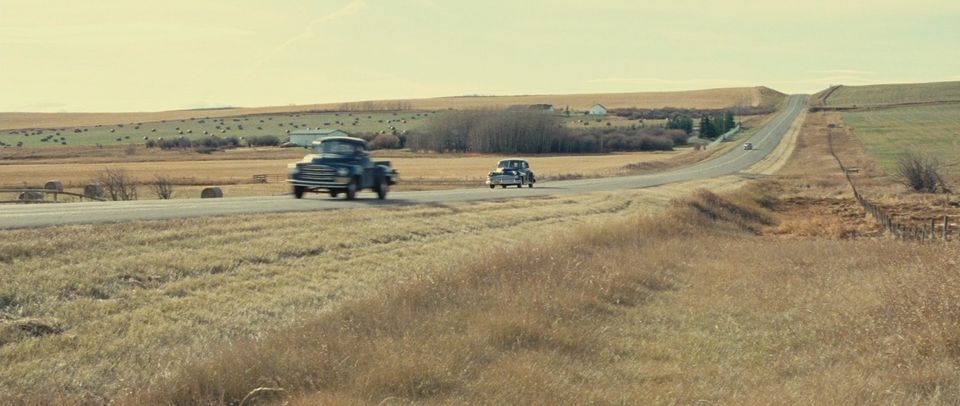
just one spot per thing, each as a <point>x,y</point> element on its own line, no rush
<point>298,191</point>
<point>382,187</point>
<point>334,194</point>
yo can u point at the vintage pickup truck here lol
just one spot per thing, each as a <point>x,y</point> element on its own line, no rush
<point>341,165</point>
<point>511,172</point>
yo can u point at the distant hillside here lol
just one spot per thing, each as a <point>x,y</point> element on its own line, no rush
<point>892,94</point>
<point>701,99</point>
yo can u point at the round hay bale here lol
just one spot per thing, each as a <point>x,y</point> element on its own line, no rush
<point>211,193</point>
<point>93,190</point>
<point>54,186</point>
<point>30,196</point>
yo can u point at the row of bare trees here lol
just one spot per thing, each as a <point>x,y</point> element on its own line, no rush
<point>117,184</point>
<point>531,132</point>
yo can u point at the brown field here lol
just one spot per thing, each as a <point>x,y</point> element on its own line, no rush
<point>233,170</point>
<point>417,171</point>
<point>712,98</point>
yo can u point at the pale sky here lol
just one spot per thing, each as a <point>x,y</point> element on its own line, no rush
<point>133,55</point>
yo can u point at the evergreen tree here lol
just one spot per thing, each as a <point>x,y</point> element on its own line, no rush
<point>710,127</point>
<point>729,121</point>
<point>678,122</point>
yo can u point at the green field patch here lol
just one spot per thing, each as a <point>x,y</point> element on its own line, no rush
<point>243,126</point>
<point>876,95</point>
<point>887,134</point>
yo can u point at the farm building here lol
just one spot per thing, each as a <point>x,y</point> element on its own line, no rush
<point>304,138</point>
<point>598,110</point>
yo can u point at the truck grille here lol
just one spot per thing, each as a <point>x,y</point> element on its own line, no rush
<point>318,173</point>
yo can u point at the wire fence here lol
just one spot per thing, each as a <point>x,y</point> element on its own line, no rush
<point>899,230</point>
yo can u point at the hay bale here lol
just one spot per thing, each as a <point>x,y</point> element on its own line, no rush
<point>211,193</point>
<point>30,196</point>
<point>54,186</point>
<point>93,190</point>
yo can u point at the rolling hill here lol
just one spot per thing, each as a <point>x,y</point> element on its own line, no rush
<point>893,94</point>
<point>703,99</point>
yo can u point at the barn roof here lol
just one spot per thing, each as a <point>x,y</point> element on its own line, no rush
<point>319,131</point>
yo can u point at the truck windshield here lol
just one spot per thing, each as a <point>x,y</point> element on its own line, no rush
<point>337,148</point>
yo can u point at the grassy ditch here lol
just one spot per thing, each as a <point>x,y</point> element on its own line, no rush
<point>707,302</point>
<point>692,306</point>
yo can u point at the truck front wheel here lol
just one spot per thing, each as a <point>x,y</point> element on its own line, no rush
<point>298,191</point>
<point>351,191</point>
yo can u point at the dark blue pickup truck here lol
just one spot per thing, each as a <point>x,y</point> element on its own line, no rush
<point>341,165</point>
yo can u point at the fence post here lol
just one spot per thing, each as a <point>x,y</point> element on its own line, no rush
<point>946,227</point>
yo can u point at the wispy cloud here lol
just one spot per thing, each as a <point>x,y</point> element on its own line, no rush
<point>350,9</point>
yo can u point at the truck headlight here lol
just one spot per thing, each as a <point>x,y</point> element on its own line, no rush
<point>343,171</point>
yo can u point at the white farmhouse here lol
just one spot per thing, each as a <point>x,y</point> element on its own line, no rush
<point>598,110</point>
<point>306,137</point>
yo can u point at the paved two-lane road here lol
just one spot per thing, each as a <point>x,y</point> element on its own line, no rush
<point>736,160</point>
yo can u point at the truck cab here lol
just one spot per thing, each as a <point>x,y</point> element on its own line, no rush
<point>340,165</point>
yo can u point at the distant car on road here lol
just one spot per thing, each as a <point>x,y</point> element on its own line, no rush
<point>504,177</point>
<point>747,146</point>
<point>511,172</point>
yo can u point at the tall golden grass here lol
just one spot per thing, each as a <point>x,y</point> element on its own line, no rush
<point>689,307</point>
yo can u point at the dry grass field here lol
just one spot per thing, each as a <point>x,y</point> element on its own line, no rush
<point>108,308</point>
<point>417,171</point>
<point>713,98</point>
<point>878,95</point>
<point>692,305</point>
<point>613,315</point>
